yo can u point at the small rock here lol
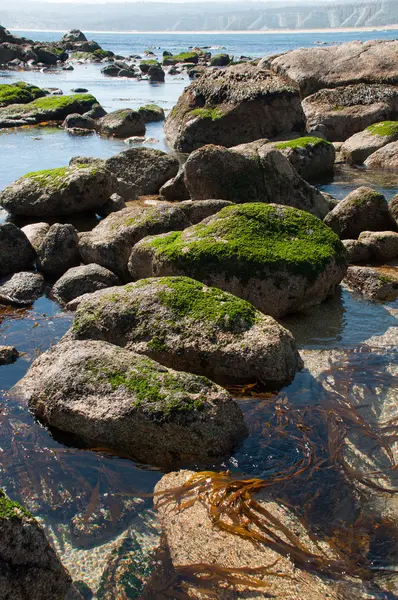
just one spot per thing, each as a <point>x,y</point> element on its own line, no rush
<point>114,204</point>
<point>383,245</point>
<point>377,283</point>
<point>80,280</point>
<point>59,250</point>
<point>16,252</point>
<point>8,355</point>
<point>122,123</point>
<point>22,288</point>
<point>36,232</point>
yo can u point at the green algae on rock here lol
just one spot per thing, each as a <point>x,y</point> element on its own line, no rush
<point>186,325</point>
<point>279,258</point>
<point>384,129</point>
<point>18,93</point>
<point>110,397</point>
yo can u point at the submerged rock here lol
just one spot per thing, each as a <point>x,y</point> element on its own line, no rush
<point>254,172</point>
<point>110,243</point>
<point>110,397</point>
<point>29,567</point>
<point>361,145</point>
<point>377,283</point>
<point>84,279</point>
<point>22,288</point>
<point>232,106</point>
<point>62,191</point>
<point>278,258</point>
<point>122,123</point>
<point>8,355</point>
<point>340,113</point>
<point>59,250</point>
<point>364,209</point>
<point>16,252</point>
<point>188,326</point>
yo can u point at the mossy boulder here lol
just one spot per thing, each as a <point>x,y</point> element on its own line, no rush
<point>337,114</point>
<point>151,113</point>
<point>385,158</point>
<point>278,258</point>
<point>232,106</point>
<point>110,397</point>
<point>62,191</point>
<point>220,60</point>
<point>253,172</point>
<point>16,251</point>
<point>188,326</point>
<point>361,145</point>
<point>110,243</point>
<point>18,93</point>
<point>29,567</point>
<point>49,54</point>
<point>122,123</point>
<point>182,57</point>
<point>146,64</point>
<point>312,157</point>
<point>364,209</point>
<point>50,108</point>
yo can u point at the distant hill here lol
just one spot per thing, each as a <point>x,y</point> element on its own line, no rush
<point>200,16</point>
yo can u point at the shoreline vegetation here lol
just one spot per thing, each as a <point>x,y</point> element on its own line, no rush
<point>223,32</point>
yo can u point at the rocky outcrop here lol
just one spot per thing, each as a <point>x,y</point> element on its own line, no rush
<point>232,106</point>
<point>51,108</point>
<point>110,243</point>
<point>355,62</point>
<point>278,258</point>
<point>188,326</point>
<point>364,209</point>
<point>16,252</point>
<point>254,172</point>
<point>340,113</point>
<point>141,171</point>
<point>385,158</point>
<point>59,250</point>
<point>29,567</point>
<point>313,158</point>
<point>112,398</point>
<point>122,123</point>
<point>376,283</point>
<point>358,147</point>
<point>83,279</point>
<point>22,288</point>
<point>62,191</point>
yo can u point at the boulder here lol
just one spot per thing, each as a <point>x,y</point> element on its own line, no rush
<point>62,191</point>
<point>95,112</point>
<point>110,243</point>
<point>340,113</point>
<point>220,60</point>
<point>114,204</point>
<point>22,288</point>
<point>151,113</point>
<point>312,157</point>
<point>156,74</point>
<point>122,123</point>
<point>193,539</point>
<point>188,326</point>
<point>232,106</point>
<point>393,207</point>
<point>141,171</point>
<point>376,283</point>
<point>36,232</point>
<point>183,57</point>
<point>19,93</point>
<point>8,355</point>
<point>254,172</point>
<point>59,250</point>
<point>385,158</point>
<point>198,210</point>
<point>109,397</point>
<point>50,108</point>
<point>364,209</point>
<point>111,70</point>
<point>83,279</point>
<point>76,121</point>
<point>313,69</point>
<point>383,245</point>
<point>10,52</point>
<point>49,54</point>
<point>29,567</point>
<point>74,35</point>
<point>357,252</point>
<point>278,258</point>
<point>175,188</point>
<point>16,252</point>
<point>358,147</point>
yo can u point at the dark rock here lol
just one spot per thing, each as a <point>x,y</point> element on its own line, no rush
<point>357,252</point>
<point>383,245</point>
<point>8,355</point>
<point>175,188</point>
<point>220,60</point>
<point>156,74</point>
<point>59,250</point>
<point>111,71</point>
<point>76,121</point>
<point>74,35</point>
<point>114,204</point>
<point>16,252</point>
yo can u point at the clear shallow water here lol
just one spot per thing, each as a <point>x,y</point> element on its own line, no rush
<point>87,499</point>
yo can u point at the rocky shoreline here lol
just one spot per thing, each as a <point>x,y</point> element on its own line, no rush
<point>180,298</point>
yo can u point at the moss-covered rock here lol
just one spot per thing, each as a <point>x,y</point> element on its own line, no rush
<point>361,145</point>
<point>182,57</point>
<point>364,209</point>
<point>278,258</point>
<point>29,567</point>
<point>110,397</point>
<point>50,108</point>
<point>220,60</point>
<point>18,93</point>
<point>62,191</point>
<point>186,325</point>
<point>312,157</point>
<point>151,113</point>
<point>232,106</point>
